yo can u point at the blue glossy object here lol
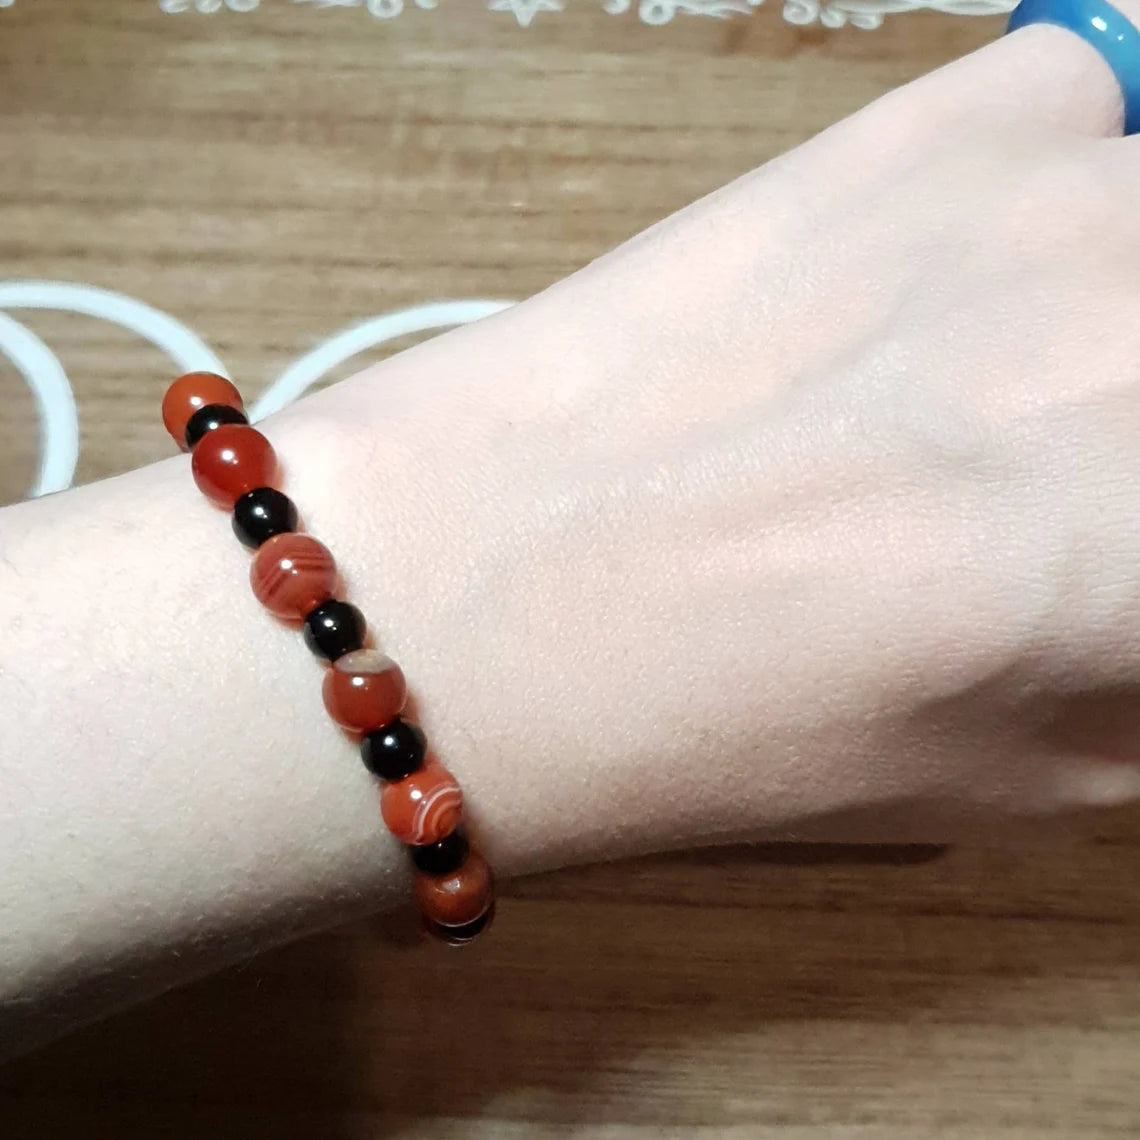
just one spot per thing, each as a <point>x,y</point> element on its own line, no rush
<point>1100,24</point>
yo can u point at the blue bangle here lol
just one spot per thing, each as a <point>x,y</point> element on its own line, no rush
<point>1106,29</point>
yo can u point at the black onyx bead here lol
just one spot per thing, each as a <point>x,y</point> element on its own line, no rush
<point>461,935</point>
<point>262,513</point>
<point>211,416</point>
<point>334,629</point>
<point>441,858</point>
<point>394,751</point>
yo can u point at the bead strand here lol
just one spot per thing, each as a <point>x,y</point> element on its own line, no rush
<point>295,578</point>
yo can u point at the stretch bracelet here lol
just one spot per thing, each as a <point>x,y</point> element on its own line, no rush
<point>295,578</point>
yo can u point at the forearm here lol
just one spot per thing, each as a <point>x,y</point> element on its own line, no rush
<point>174,794</point>
<point>668,555</point>
<point>171,791</point>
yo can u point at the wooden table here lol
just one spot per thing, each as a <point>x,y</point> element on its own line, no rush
<point>271,177</point>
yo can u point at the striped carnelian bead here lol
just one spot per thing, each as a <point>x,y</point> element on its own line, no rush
<point>231,461</point>
<point>457,898</point>
<point>292,574</point>
<point>461,935</point>
<point>364,690</point>
<point>189,394</point>
<point>423,807</point>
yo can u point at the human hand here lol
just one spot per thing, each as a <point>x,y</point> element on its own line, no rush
<point>816,500</point>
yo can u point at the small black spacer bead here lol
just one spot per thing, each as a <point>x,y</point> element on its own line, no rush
<point>441,858</point>
<point>211,416</point>
<point>394,751</point>
<point>334,629</point>
<point>461,935</point>
<point>262,513</point>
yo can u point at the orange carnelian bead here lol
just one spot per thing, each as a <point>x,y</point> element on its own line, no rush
<point>461,935</point>
<point>364,690</point>
<point>422,807</point>
<point>232,460</point>
<point>189,394</point>
<point>291,574</point>
<point>459,897</point>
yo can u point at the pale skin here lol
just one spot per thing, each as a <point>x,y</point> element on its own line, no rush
<point>811,511</point>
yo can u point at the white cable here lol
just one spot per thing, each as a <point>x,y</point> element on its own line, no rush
<point>185,347</point>
<point>53,393</point>
<point>59,423</point>
<point>303,373</point>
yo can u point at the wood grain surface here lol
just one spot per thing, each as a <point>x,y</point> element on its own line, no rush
<point>271,177</point>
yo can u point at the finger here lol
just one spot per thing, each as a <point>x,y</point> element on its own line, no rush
<point>1040,74</point>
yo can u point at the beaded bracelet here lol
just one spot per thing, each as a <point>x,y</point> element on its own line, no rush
<point>295,578</point>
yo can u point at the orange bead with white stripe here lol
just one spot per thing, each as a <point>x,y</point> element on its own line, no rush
<point>292,574</point>
<point>423,807</point>
<point>459,897</point>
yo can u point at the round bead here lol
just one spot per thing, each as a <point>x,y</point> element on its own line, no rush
<point>364,690</point>
<point>291,575</point>
<point>262,513</point>
<point>461,935</point>
<point>211,416</point>
<point>423,807</point>
<point>334,629</point>
<point>457,898</point>
<point>231,461</point>
<point>441,858</point>
<point>394,751</point>
<point>189,393</point>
